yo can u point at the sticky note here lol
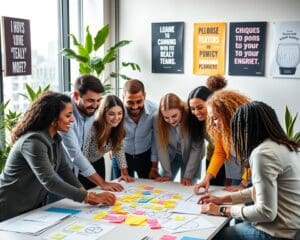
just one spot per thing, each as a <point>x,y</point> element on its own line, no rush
<point>100,215</point>
<point>190,238</point>
<point>168,237</point>
<point>63,210</point>
<point>135,219</point>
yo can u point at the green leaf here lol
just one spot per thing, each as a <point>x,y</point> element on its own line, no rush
<point>84,68</point>
<point>83,52</point>
<point>120,44</point>
<point>287,120</point>
<point>134,66</point>
<point>290,131</point>
<point>30,92</point>
<point>297,137</point>
<point>69,53</point>
<point>110,56</point>
<point>101,37</point>
<point>74,39</point>
<point>88,41</point>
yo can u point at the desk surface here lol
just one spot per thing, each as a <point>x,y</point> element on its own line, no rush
<point>126,232</point>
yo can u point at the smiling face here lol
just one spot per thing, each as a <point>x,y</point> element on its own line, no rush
<point>172,116</point>
<point>198,108</point>
<point>214,118</point>
<point>114,116</point>
<point>88,103</point>
<point>134,103</point>
<point>65,119</point>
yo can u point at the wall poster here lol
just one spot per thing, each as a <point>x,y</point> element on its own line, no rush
<point>17,46</point>
<point>209,48</point>
<point>167,47</point>
<point>247,42</point>
<point>286,50</point>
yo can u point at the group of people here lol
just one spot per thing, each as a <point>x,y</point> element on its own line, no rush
<point>60,141</point>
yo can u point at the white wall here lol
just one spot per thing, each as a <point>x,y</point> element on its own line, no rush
<point>136,17</point>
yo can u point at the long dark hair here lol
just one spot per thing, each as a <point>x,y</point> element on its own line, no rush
<point>40,114</point>
<point>117,133</point>
<point>253,123</point>
<point>213,83</point>
<point>197,127</point>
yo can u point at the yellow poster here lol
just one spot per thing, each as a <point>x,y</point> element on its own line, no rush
<point>209,48</point>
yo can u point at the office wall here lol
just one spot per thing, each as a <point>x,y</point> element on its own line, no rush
<point>136,17</point>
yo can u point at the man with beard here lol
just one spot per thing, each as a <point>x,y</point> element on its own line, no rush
<point>88,91</point>
<point>139,142</point>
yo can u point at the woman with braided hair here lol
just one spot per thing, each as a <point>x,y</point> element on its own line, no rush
<point>274,160</point>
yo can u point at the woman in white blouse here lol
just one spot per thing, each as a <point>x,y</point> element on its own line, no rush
<point>275,165</point>
<point>108,133</point>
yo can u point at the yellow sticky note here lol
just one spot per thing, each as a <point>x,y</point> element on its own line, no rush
<point>178,217</point>
<point>75,228</point>
<point>135,219</point>
<point>99,215</point>
<point>177,196</point>
<point>58,236</point>
<point>117,203</point>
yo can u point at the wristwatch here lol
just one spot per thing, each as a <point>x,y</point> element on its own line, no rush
<point>223,211</point>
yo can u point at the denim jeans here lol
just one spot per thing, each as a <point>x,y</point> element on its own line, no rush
<point>243,231</point>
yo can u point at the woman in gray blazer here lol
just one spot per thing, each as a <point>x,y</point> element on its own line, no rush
<point>36,162</point>
<point>175,147</point>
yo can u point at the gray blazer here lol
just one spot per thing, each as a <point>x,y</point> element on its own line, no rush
<point>192,153</point>
<point>34,166</point>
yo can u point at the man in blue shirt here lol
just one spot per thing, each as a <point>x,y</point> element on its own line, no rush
<point>85,100</point>
<point>139,142</point>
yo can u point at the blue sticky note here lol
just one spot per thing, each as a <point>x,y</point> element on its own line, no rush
<point>147,192</point>
<point>190,238</point>
<point>63,210</point>
<point>144,200</point>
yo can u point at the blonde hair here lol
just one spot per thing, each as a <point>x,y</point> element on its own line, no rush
<point>225,103</point>
<point>168,102</point>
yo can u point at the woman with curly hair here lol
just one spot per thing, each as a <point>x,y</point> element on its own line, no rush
<point>107,134</point>
<point>274,159</point>
<point>220,107</point>
<point>198,115</point>
<point>36,163</point>
<point>175,147</point>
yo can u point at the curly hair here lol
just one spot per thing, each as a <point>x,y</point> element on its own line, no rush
<point>167,102</point>
<point>117,133</point>
<point>225,103</point>
<point>40,114</point>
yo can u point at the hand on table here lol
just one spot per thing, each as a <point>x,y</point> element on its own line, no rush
<point>163,179</point>
<point>96,198</point>
<point>114,187</point>
<point>186,182</point>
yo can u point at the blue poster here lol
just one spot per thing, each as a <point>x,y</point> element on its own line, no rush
<point>167,47</point>
<point>247,48</point>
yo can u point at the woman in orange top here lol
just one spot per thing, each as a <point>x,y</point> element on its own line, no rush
<point>220,107</point>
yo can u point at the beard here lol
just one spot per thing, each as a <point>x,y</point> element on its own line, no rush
<point>135,112</point>
<point>87,111</point>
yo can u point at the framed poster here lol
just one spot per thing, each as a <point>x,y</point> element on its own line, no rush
<point>17,46</point>
<point>209,48</point>
<point>286,50</point>
<point>247,43</point>
<point>167,47</point>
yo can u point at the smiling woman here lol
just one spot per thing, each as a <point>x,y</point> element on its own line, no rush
<point>36,163</point>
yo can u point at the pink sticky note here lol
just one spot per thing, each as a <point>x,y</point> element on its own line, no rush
<point>148,188</point>
<point>168,237</point>
<point>119,219</point>
<point>151,220</point>
<point>139,212</point>
<point>155,225</point>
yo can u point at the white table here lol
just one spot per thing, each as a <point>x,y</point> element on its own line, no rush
<point>126,232</point>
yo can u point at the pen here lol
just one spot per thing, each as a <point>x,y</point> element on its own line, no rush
<point>146,238</point>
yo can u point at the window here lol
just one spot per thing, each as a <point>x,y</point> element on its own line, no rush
<point>43,16</point>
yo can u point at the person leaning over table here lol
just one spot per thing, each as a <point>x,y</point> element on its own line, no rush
<point>220,107</point>
<point>36,162</point>
<point>198,118</point>
<point>176,150</point>
<point>275,165</point>
<point>107,134</point>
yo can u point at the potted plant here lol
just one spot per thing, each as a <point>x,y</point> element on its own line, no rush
<point>289,121</point>
<point>9,118</point>
<point>89,60</point>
